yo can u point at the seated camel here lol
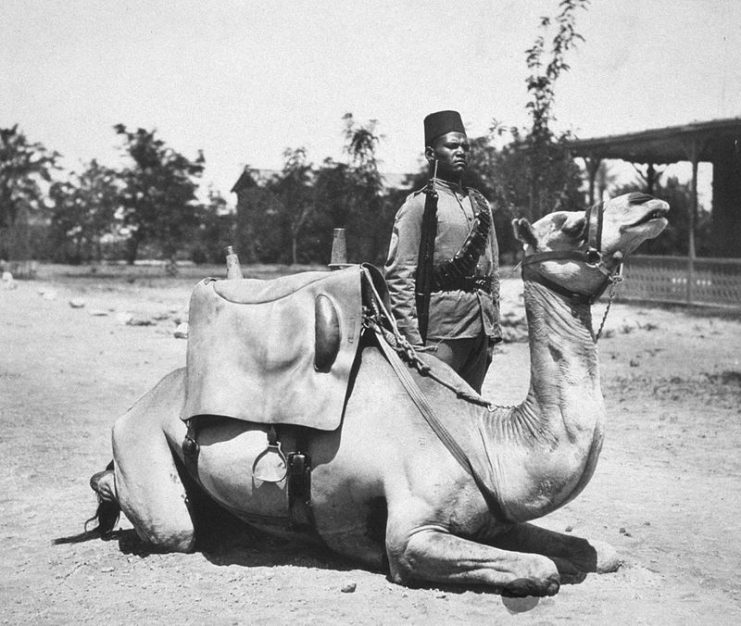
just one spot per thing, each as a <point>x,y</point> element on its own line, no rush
<point>422,477</point>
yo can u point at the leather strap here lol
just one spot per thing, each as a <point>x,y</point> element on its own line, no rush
<point>425,408</point>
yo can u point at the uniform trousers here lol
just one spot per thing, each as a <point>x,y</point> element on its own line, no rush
<point>469,357</point>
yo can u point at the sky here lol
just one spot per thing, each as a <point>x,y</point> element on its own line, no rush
<point>244,80</point>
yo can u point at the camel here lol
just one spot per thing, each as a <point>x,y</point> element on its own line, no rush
<point>386,491</point>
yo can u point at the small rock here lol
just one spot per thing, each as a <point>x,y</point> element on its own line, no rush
<point>568,529</point>
<point>106,570</point>
<point>77,303</point>
<point>97,312</point>
<point>634,363</point>
<point>140,321</point>
<point>181,332</point>
<point>349,587</point>
<point>124,318</point>
<point>8,282</point>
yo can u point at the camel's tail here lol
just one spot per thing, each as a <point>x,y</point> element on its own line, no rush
<point>108,510</point>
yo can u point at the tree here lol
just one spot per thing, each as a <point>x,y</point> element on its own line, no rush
<point>540,174</point>
<point>23,166</point>
<point>85,210</point>
<point>293,191</point>
<point>351,195</point>
<point>366,223</point>
<point>215,232</point>
<point>159,197</point>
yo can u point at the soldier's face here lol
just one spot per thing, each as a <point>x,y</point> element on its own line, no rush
<point>451,151</point>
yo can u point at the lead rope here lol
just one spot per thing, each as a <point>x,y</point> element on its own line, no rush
<point>614,282</point>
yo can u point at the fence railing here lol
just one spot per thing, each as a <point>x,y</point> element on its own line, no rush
<point>675,279</point>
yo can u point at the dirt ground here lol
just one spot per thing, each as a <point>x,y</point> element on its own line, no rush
<point>665,493</point>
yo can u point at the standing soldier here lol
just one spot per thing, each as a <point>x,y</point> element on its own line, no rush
<point>442,266</point>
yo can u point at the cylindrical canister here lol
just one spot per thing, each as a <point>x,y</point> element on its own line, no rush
<point>233,269</point>
<point>339,248</point>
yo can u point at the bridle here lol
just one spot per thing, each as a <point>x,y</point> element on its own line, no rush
<point>592,257</point>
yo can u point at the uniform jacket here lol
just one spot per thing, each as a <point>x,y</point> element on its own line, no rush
<point>453,314</point>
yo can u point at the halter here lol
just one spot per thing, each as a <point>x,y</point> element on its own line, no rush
<point>591,257</point>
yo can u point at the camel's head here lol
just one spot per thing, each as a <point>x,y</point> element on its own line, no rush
<point>579,250</point>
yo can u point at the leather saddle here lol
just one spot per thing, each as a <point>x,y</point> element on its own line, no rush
<point>275,351</point>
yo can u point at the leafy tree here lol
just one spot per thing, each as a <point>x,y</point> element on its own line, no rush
<point>23,166</point>
<point>351,195</point>
<point>257,236</point>
<point>159,197</point>
<point>293,192</point>
<point>536,172</point>
<point>332,208</point>
<point>85,209</point>
<point>366,223</point>
<point>215,232</point>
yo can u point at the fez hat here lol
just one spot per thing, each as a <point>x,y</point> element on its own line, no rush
<point>437,124</point>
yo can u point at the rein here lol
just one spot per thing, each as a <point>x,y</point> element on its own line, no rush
<point>592,257</point>
<point>402,357</point>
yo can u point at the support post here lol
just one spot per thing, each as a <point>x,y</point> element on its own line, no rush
<point>592,164</point>
<point>692,219</point>
<point>650,179</point>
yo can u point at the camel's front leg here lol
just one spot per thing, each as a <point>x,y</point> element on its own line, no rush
<point>148,486</point>
<point>573,555</point>
<point>430,553</point>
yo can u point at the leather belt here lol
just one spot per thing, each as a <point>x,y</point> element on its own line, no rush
<point>464,283</point>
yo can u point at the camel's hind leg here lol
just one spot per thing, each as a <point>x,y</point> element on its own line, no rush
<point>148,486</point>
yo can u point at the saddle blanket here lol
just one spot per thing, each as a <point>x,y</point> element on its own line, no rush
<point>274,351</point>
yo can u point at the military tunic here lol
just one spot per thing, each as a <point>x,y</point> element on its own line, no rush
<point>454,314</point>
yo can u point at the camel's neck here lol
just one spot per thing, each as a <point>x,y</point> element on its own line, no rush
<point>541,454</point>
<point>564,393</point>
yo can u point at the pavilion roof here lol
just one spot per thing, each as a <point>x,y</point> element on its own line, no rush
<point>662,145</point>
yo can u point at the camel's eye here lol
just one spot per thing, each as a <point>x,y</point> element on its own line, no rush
<point>638,197</point>
<point>576,229</point>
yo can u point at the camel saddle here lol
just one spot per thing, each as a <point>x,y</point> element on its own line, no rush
<point>274,351</point>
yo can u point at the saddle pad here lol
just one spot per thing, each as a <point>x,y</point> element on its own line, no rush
<point>274,351</point>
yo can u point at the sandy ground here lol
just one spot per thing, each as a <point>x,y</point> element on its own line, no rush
<point>666,491</point>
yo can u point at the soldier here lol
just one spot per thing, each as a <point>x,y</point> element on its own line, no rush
<point>442,266</point>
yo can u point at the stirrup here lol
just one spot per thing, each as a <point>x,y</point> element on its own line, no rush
<point>270,465</point>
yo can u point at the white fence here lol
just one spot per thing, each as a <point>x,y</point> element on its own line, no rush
<point>676,279</point>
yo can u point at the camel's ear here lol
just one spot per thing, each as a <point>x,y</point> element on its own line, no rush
<point>524,232</point>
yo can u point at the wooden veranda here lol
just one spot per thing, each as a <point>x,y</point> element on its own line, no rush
<point>717,142</point>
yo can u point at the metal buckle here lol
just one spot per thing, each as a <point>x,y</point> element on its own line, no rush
<point>593,256</point>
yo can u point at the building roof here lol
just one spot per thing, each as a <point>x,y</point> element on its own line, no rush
<point>662,145</point>
<point>254,177</point>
